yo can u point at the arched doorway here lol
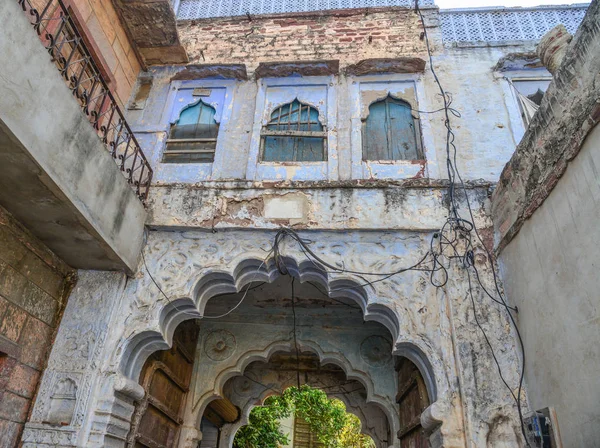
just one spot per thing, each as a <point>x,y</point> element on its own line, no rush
<point>306,417</point>
<point>165,377</point>
<point>299,321</point>
<point>412,399</point>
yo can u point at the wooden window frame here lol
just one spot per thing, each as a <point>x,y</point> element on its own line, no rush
<point>418,137</point>
<point>264,133</point>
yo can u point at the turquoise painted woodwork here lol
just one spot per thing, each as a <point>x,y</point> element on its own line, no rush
<point>389,132</point>
<point>193,136</point>
<point>294,134</point>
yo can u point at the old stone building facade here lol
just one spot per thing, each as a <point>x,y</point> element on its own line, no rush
<point>301,195</point>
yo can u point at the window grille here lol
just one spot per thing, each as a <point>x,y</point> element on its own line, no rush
<point>507,24</point>
<point>294,134</point>
<point>390,132</point>
<point>193,137</point>
<point>202,9</point>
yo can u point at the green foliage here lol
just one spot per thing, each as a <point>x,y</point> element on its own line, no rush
<point>263,429</point>
<point>327,419</point>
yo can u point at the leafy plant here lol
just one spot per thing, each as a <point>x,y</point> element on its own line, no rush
<point>327,419</point>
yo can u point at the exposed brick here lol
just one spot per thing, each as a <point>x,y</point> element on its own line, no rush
<point>331,36</point>
<point>34,341</point>
<point>16,288</point>
<point>23,380</point>
<point>37,271</point>
<point>7,365</point>
<point>13,407</point>
<point>12,322</point>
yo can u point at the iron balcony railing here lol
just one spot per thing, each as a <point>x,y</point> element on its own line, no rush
<point>60,36</point>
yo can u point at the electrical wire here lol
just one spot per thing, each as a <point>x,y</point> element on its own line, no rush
<point>197,315</point>
<point>465,227</point>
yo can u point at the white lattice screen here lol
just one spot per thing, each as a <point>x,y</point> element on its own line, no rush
<point>507,24</point>
<point>199,9</point>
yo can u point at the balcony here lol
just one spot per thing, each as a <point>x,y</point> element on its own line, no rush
<point>61,132</point>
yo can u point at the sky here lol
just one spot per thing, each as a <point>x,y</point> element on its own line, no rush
<point>444,4</point>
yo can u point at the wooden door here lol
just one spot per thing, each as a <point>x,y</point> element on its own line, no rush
<point>412,399</point>
<point>303,436</point>
<point>166,379</point>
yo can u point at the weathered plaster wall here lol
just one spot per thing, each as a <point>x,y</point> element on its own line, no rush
<point>192,266</point>
<point>485,134</point>
<point>34,285</point>
<point>569,110</point>
<point>381,205</point>
<point>545,213</point>
<point>550,272</point>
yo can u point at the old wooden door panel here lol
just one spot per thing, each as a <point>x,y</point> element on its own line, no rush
<point>412,399</point>
<point>166,378</point>
<point>303,436</point>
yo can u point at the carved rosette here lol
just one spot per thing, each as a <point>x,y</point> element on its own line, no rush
<point>219,345</point>
<point>376,351</point>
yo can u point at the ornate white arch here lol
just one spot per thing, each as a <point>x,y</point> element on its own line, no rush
<point>189,300</point>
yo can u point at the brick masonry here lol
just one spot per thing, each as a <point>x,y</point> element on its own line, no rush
<point>345,35</point>
<point>33,286</point>
<point>99,23</point>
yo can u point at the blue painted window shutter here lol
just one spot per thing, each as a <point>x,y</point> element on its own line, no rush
<point>390,132</point>
<point>294,134</point>
<point>193,136</point>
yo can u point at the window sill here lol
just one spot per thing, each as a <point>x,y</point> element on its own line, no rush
<point>395,162</point>
<point>292,171</point>
<point>393,169</point>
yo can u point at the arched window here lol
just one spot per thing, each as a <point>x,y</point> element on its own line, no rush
<point>193,136</point>
<point>390,132</point>
<point>294,134</point>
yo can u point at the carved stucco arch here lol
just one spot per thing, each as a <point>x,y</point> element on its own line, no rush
<point>337,359</point>
<point>189,300</point>
<point>210,283</point>
<point>229,431</point>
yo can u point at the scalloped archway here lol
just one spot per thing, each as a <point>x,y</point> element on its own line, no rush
<point>216,283</point>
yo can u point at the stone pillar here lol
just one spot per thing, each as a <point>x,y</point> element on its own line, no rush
<point>62,408</point>
<point>111,418</point>
<point>553,47</point>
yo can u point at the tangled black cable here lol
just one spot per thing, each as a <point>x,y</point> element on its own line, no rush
<point>463,228</point>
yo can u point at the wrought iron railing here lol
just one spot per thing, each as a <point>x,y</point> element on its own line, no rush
<point>59,34</point>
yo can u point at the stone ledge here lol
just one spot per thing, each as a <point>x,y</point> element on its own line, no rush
<point>386,65</point>
<point>412,183</point>
<point>219,71</point>
<point>299,68</point>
